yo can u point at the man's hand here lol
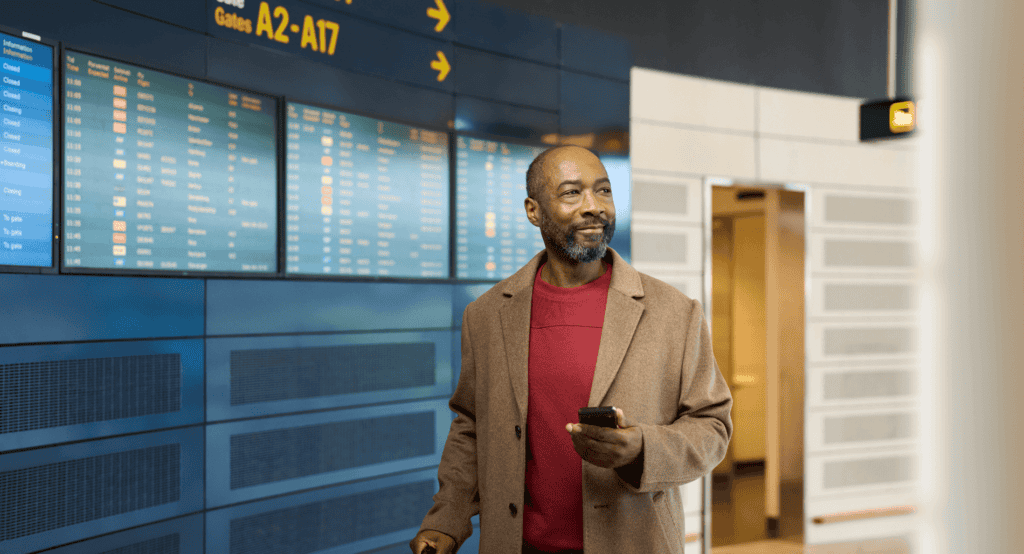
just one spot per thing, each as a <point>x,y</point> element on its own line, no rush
<point>442,543</point>
<point>608,448</point>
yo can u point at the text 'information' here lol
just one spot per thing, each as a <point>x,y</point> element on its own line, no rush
<point>26,153</point>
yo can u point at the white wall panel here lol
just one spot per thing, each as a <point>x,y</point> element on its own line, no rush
<point>808,115</point>
<point>673,98</point>
<point>693,498</point>
<point>868,255</point>
<point>667,248</point>
<point>673,149</point>
<point>860,341</point>
<point>853,429</point>
<point>863,297</point>
<point>663,198</point>
<point>789,161</point>
<point>843,387</point>
<point>863,473</point>
<point>864,211</point>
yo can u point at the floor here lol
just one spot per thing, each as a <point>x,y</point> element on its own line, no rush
<point>738,522</point>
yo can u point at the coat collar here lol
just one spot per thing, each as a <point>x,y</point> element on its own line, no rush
<point>621,316</point>
<point>625,279</point>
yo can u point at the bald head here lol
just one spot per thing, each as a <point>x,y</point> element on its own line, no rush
<point>540,169</point>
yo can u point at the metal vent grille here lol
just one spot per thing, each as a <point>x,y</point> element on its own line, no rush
<point>288,373</point>
<point>867,341</point>
<point>168,544</point>
<point>321,525</point>
<point>46,497</point>
<point>40,395</point>
<point>876,471</point>
<point>868,297</point>
<point>852,209</point>
<point>868,253</point>
<point>867,384</point>
<point>271,456</point>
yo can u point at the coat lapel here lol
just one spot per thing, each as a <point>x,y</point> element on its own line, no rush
<point>622,314</point>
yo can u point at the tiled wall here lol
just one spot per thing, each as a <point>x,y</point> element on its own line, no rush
<point>861,364</point>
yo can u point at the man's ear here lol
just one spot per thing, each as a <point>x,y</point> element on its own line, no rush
<point>531,211</point>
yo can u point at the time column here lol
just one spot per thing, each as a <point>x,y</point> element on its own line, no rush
<point>72,166</point>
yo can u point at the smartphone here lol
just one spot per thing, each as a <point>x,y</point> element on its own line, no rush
<point>603,416</point>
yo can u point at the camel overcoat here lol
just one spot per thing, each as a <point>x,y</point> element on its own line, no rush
<point>655,362</point>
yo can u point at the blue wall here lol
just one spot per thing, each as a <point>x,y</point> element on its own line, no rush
<point>167,414</point>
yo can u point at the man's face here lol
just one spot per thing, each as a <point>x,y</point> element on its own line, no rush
<point>576,195</point>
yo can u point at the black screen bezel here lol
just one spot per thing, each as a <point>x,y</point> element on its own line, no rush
<point>276,117</point>
<point>364,278</point>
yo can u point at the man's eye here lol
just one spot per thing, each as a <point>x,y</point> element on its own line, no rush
<point>571,191</point>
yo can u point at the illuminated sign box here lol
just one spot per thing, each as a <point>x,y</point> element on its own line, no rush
<point>887,119</point>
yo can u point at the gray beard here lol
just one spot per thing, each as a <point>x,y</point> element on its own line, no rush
<point>569,248</point>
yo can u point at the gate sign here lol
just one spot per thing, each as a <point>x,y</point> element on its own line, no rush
<point>881,119</point>
<point>332,37</point>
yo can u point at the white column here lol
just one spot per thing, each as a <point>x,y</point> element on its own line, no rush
<point>969,78</point>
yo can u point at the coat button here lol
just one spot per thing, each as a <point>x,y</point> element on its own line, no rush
<point>512,508</point>
<point>519,432</point>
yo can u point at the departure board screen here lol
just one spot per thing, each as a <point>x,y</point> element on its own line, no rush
<point>166,173</point>
<point>26,152</point>
<point>494,239</point>
<point>365,196</point>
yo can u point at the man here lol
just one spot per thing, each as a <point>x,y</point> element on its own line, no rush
<point>577,327</point>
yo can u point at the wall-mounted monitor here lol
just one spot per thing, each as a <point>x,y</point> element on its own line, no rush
<point>364,197</point>
<point>493,238</point>
<point>26,151</point>
<point>165,173</point>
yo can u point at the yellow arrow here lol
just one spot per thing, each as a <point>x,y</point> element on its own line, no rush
<point>441,14</point>
<point>441,65</point>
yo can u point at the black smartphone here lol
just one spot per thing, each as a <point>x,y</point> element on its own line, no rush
<point>603,416</point>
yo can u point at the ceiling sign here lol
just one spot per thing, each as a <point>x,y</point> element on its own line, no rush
<point>350,42</point>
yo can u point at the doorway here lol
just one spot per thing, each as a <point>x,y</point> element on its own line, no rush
<point>757,294</point>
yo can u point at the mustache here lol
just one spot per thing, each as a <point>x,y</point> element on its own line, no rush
<point>603,224</point>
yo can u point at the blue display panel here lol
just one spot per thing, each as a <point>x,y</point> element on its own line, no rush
<point>618,168</point>
<point>365,196</point>
<point>166,173</point>
<point>493,237</point>
<point>26,152</point>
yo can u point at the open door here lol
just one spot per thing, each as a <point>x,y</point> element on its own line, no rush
<point>757,312</point>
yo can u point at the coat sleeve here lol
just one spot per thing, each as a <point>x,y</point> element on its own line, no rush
<point>458,498</point>
<point>696,442</point>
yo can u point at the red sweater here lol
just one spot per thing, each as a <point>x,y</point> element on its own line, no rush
<point>565,333</point>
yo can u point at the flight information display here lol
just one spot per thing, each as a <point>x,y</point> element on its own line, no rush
<point>26,152</point>
<point>365,196</point>
<point>166,173</point>
<point>493,238</point>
